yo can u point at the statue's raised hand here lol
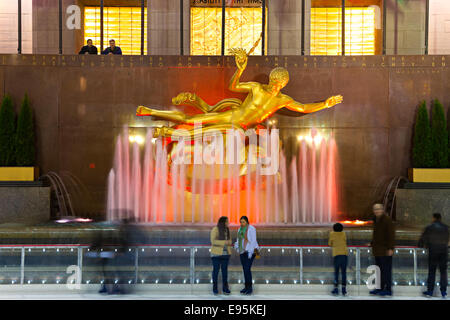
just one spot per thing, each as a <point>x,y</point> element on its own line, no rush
<point>334,100</point>
<point>240,56</point>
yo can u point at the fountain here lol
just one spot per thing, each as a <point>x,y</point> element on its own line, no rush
<point>145,186</point>
<point>157,185</point>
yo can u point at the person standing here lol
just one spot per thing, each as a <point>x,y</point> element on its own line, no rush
<point>220,254</point>
<point>89,48</point>
<point>112,49</point>
<point>382,244</point>
<point>435,238</point>
<point>247,246</point>
<point>338,242</point>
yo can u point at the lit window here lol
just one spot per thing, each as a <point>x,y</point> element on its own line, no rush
<point>326,32</point>
<point>243,27</point>
<point>122,24</point>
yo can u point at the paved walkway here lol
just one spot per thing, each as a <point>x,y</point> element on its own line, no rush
<point>152,296</point>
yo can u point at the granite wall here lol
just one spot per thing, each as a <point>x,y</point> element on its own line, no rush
<point>81,103</point>
<point>415,207</point>
<point>24,205</point>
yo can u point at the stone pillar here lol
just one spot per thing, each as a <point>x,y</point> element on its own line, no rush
<point>9,26</point>
<point>439,27</point>
<point>46,28</point>
<point>285,27</point>
<point>405,28</point>
<point>164,27</point>
<point>307,27</point>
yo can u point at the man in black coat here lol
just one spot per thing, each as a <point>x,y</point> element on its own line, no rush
<point>435,238</point>
<point>89,48</point>
<point>383,243</point>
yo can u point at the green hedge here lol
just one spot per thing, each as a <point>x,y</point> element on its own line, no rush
<point>7,132</point>
<point>422,143</point>
<point>24,142</point>
<point>17,144</point>
<point>439,136</point>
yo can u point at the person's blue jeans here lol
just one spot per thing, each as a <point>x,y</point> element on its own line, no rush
<point>340,264</point>
<point>220,262</point>
<point>246,266</point>
<point>385,265</point>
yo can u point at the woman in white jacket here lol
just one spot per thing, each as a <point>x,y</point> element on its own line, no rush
<point>246,244</point>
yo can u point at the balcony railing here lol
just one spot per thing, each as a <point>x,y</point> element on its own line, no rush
<point>191,264</point>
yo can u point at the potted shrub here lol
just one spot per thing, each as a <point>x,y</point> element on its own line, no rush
<point>430,146</point>
<point>18,160</point>
<point>7,132</point>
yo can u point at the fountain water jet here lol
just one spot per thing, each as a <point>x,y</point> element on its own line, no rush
<point>142,185</point>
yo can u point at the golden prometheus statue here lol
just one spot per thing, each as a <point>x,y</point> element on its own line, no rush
<point>262,101</point>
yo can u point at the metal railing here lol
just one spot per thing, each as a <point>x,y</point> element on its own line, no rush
<point>191,264</point>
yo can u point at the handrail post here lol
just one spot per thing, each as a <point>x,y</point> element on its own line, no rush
<point>22,265</point>
<point>358,266</point>
<point>301,265</point>
<point>80,263</point>
<point>136,265</point>
<point>415,266</point>
<point>192,266</point>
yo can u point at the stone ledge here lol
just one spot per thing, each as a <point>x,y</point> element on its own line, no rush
<point>434,62</point>
<point>24,204</point>
<point>415,206</point>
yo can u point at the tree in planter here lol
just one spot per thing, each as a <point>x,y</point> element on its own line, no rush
<point>422,149</point>
<point>7,132</point>
<point>439,136</point>
<point>25,151</point>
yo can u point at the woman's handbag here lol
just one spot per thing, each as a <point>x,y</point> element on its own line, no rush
<point>257,254</point>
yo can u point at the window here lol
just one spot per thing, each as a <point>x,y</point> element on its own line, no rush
<point>122,24</point>
<point>326,31</point>
<point>243,27</point>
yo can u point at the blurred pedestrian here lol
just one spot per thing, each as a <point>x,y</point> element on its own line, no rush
<point>338,242</point>
<point>220,254</point>
<point>435,238</point>
<point>247,246</point>
<point>102,250</point>
<point>383,240</point>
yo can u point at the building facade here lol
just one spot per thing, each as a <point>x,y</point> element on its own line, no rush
<point>194,27</point>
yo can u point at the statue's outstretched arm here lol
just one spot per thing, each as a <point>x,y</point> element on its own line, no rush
<point>314,107</point>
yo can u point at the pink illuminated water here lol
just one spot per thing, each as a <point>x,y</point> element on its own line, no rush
<point>142,185</point>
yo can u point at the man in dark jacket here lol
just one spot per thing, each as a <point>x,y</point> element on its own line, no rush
<point>383,240</point>
<point>435,238</point>
<point>112,49</point>
<point>89,48</point>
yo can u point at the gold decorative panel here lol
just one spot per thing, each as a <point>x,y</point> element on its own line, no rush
<point>243,26</point>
